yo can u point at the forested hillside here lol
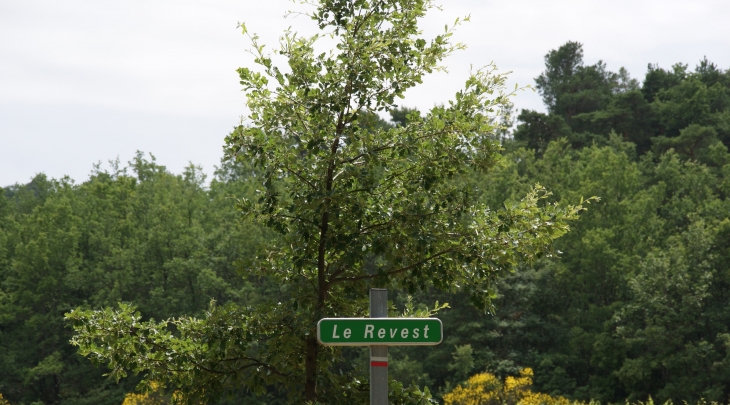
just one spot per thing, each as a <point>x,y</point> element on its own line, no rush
<point>137,234</point>
<point>634,303</point>
<point>637,304</point>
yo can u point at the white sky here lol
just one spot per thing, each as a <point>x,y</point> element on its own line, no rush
<point>83,81</point>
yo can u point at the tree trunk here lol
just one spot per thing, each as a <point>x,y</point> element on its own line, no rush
<point>310,359</point>
<point>310,369</point>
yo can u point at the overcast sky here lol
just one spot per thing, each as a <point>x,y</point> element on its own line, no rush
<point>84,81</point>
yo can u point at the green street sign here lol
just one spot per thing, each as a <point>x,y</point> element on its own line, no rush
<point>380,331</point>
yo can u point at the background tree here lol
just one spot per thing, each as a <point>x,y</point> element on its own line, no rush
<point>135,234</point>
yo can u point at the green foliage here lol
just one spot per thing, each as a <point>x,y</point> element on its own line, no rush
<point>463,362</point>
<point>587,103</point>
<point>634,306</point>
<point>538,130</point>
<point>224,348</point>
<point>356,203</point>
<point>570,88</point>
<point>437,205</point>
<point>161,241</point>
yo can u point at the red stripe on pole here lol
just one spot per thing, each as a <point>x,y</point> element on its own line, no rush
<point>379,363</point>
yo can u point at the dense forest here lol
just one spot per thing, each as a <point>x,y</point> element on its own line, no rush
<point>634,302</point>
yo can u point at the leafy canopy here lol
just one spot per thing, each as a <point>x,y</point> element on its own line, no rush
<point>355,206</point>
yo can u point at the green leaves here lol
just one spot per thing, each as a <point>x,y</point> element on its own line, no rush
<point>200,357</point>
<point>359,205</point>
<point>354,205</point>
<point>137,234</point>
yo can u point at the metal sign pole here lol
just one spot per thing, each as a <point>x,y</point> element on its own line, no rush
<point>378,354</point>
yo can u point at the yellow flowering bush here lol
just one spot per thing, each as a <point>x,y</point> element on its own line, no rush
<point>486,389</point>
<point>154,397</point>
<point>538,398</point>
<point>3,401</point>
<point>480,389</point>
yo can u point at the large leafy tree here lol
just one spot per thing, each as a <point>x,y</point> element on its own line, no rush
<point>354,205</point>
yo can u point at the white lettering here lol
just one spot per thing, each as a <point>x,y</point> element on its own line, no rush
<point>404,333</point>
<point>334,333</point>
<point>369,329</point>
<point>381,333</point>
<point>393,332</point>
<point>415,333</point>
<point>425,331</point>
<point>347,333</point>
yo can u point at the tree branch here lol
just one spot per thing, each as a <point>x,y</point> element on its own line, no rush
<point>392,272</point>
<point>294,172</point>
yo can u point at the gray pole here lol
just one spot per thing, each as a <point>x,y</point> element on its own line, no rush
<point>378,354</point>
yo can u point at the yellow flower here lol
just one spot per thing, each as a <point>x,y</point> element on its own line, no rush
<point>486,389</point>
<point>155,397</point>
<point>480,389</point>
